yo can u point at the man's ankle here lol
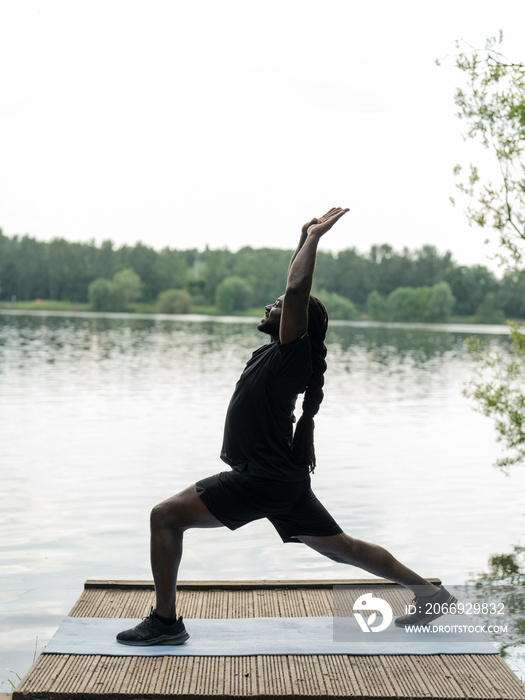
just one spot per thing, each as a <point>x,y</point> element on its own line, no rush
<point>166,620</point>
<point>428,591</point>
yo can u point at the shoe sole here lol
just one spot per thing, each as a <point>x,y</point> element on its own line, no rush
<point>427,620</point>
<point>163,640</point>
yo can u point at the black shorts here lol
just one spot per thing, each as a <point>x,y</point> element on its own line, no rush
<point>236,499</point>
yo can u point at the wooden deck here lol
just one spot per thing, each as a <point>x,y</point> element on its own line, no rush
<point>443,677</point>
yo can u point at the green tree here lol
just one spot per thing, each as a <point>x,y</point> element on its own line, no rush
<point>264,270</point>
<point>143,261</point>
<point>127,288</point>
<point>429,267</point>
<point>470,286</point>
<point>403,305</point>
<point>30,277</point>
<point>171,270</point>
<point>195,281</point>
<point>100,295</point>
<point>115,294</point>
<point>105,260</point>
<point>423,295</point>
<point>511,294</point>
<point>325,271</point>
<point>353,277</point>
<point>440,303</point>
<point>57,267</point>
<point>339,308</point>
<point>488,312</point>
<point>233,294</point>
<point>392,270</point>
<point>214,272</point>
<point>174,301</point>
<point>493,105</point>
<point>376,306</point>
<point>498,392</point>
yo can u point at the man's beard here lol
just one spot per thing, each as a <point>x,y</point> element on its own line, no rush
<point>265,327</point>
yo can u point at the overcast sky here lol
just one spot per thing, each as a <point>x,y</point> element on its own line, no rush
<point>231,123</point>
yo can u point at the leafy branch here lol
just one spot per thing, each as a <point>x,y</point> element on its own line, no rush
<point>499,392</point>
<point>492,103</point>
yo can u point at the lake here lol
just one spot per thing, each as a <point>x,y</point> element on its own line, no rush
<point>103,416</point>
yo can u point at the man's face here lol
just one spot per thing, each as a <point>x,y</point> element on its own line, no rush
<point>272,318</point>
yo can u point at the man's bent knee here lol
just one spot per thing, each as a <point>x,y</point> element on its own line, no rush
<point>182,511</point>
<point>164,516</point>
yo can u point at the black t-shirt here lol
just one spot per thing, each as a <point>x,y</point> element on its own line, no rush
<point>259,422</point>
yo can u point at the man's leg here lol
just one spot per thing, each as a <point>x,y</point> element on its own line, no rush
<point>430,602</point>
<point>169,520</point>
<point>370,557</point>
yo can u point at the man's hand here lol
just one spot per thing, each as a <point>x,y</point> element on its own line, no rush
<point>320,226</point>
<point>305,228</point>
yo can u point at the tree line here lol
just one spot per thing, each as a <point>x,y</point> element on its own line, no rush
<point>384,284</point>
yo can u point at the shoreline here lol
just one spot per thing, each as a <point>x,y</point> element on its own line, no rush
<point>458,325</point>
<point>145,311</point>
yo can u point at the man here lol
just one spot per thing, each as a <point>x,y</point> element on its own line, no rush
<point>270,462</point>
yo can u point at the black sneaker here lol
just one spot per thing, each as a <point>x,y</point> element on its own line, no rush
<point>424,610</point>
<point>153,631</point>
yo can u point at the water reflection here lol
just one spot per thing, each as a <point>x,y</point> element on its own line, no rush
<point>501,587</point>
<point>386,344</point>
<point>113,332</point>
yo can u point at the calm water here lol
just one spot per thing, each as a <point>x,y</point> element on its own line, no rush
<point>101,417</point>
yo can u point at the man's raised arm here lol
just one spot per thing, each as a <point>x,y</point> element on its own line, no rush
<point>294,315</point>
